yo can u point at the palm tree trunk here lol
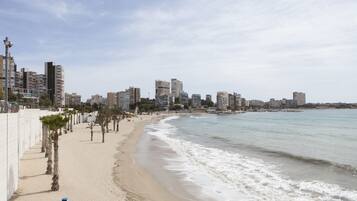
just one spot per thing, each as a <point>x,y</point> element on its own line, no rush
<point>71,123</point>
<point>43,147</point>
<point>118,125</point>
<point>49,158</point>
<point>103,133</point>
<point>65,129</point>
<point>46,141</point>
<point>68,125</point>
<point>91,132</point>
<point>107,126</point>
<point>55,177</point>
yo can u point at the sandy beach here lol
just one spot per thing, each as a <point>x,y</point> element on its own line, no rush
<point>135,180</point>
<point>92,170</point>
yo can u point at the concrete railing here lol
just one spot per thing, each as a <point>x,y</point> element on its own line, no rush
<point>18,132</point>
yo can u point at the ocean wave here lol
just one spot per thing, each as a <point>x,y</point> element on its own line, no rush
<point>198,117</point>
<point>314,161</point>
<point>227,176</point>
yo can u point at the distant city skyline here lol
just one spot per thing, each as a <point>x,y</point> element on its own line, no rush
<point>260,49</point>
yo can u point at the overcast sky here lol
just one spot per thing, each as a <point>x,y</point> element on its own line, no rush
<point>258,48</point>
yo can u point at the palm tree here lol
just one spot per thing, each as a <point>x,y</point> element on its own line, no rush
<point>66,113</point>
<point>71,117</point>
<point>54,123</point>
<point>115,119</point>
<point>91,125</point>
<point>108,117</point>
<point>44,137</point>
<point>102,120</point>
<point>45,121</point>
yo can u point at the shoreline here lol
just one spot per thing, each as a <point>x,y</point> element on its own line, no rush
<point>132,178</point>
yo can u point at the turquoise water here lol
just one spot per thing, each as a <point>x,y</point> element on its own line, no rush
<point>310,155</point>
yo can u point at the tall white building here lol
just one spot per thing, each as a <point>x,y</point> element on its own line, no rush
<point>176,88</point>
<point>222,100</point>
<point>299,98</point>
<point>162,93</point>
<point>124,100</point>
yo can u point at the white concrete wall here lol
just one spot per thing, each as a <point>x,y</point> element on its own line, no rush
<point>18,132</point>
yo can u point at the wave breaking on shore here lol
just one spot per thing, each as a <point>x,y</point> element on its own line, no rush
<point>224,175</point>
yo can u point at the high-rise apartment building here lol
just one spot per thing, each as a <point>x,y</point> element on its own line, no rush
<point>55,83</point>
<point>208,98</point>
<point>196,100</point>
<point>162,93</point>
<point>123,98</point>
<point>299,98</point>
<point>11,73</point>
<point>29,80</point>
<point>72,99</point>
<point>222,100</point>
<point>234,101</point>
<point>112,100</point>
<point>134,95</point>
<point>184,100</point>
<point>176,88</point>
<point>41,88</point>
<point>1,77</point>
<point>96,99</point>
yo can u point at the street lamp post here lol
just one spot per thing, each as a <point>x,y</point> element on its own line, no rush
<point>7,44</point>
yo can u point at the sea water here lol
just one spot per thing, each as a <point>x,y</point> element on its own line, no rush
<point>309,155</point>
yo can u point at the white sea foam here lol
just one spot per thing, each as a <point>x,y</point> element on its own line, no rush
<point>226,176</point>
<point>197,117</point>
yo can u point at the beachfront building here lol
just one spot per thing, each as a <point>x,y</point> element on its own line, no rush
<point>11,73</point>
<point>245,103</point>
<point>127,98</point>
<point>55,83</point>
<point>72,99</point>
<point>123,98</point>
<point>96,99</point>
<point>162,94</point>
<point>176,89</point>
<point>208,98</point>
<point>256,103</point>
<point>275,103</point>
<point>1,77</point>
<point>299,98</point>
<point>134,95</point>
<point>196,100</point>
<point>183,98</point>
<point>234,101</point>
<point>30,84</point>
<point>222,100</point>
<point>112,100</point>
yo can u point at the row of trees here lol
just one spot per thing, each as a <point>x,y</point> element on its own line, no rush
<point>52,127</point>
<point>54,124</point>
<point>105,116</point>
